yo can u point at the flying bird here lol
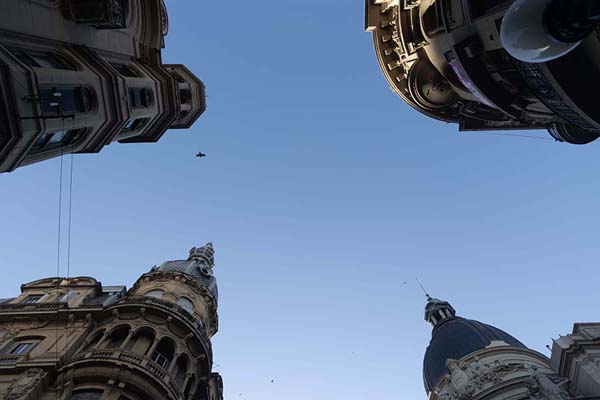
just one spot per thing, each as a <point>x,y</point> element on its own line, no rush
<point>200,154</point>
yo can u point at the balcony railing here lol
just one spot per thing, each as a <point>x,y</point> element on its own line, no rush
<point>11,358</point>
<point>180,311</point>
<point>32,307</point>
<point>161,374</point>
<point>101,14</point>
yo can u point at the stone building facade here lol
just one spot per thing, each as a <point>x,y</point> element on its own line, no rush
<point>77,75</point>
<point>72,338</point>
<point>445,59</point>
<point>469,360</point>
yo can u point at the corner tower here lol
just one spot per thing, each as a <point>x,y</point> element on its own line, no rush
<point>153,342</point>
<point>467,359</point>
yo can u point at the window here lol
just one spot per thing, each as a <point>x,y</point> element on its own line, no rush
<point>135,124</point>
<point>105,14</point>
<point>185,95</point>
<point>186,304</point>
<point>22,348</point>
<point>126,70</point>
<point>59,100</point>
<point>432,20</point>
<point>160,359</point>
<point>42,59</point>
<point>479,8</point>
<point>155,293</point>
<point>140,97</point>
<point>32,299</point>
<point>67,297</point>
<point>49,140</point>
<point>164,353</point>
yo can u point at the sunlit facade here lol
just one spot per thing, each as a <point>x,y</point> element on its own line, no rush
<point>78,75</point>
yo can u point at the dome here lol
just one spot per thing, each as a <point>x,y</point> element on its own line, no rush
<point>199,265</point>
<point>454,338</point>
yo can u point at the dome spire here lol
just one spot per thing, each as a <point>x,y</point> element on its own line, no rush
<point>204,254</point>
<point>437,311</point>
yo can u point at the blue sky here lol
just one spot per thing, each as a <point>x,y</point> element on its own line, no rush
<point>323,193</point>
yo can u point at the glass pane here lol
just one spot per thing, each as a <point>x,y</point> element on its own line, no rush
<point>154,293</point>
<point>186,304</point>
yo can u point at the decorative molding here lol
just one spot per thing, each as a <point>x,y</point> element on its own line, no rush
<point>25,384</point>
<point>467,378</point>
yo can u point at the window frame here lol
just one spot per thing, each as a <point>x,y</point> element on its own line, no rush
<point>36,297</point>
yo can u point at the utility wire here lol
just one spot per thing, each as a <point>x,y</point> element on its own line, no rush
<point>70,218</point>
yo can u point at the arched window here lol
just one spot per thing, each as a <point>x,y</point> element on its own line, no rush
<point>164,353</point>
<point>22,346</point>
<point>182,368</point>
<point>190,386</point>
<point>186,304</point>
<point>141,341</point>
<point>155,293</point>
<point>117,337</point>
<point>94,340</point>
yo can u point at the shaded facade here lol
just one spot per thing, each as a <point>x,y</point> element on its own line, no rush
<point>467,359</point>
<point>72,338</point>
<point>445,59</point>
<point>77,75</point>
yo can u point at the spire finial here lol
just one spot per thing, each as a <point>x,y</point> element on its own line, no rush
<point>205,253</point>
<point>429,298</point>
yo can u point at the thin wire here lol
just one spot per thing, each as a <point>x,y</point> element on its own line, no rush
<point>70,216</point>
<point>58,255</point>
<point>59,215</point>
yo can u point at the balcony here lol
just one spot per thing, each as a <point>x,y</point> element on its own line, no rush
<point>173,308</point>
<point>41,307</point>
<point>12,358</point>
<point>100,14</point>
<point>141,363</point>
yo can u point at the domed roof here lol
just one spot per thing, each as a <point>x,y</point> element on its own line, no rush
<point>454,338</point>
<point>199,265</point>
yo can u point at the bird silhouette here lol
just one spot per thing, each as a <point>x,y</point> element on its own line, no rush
<point>200,154</point>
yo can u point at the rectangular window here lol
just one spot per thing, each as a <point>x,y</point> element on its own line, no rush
<point>49,140</point>
<point>135,124</point>
<point>160,359</point>
<point>60,100</point>
<point>126,70</point>
<point>22,348</point>
<point>32,299</point>
<point>70,295</point>
<point>43,59</point>
<point>479,8</point>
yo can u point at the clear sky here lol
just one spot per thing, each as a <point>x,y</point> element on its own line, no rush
<point>325,196</point>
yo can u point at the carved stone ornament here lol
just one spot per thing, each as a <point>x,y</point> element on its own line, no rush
<point>467,378</point>
<point>19,325</point>
<point>25,383</point>
<point>542,386</point>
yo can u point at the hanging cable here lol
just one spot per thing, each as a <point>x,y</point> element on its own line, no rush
<point>70,217</point>
<point>58,257</point>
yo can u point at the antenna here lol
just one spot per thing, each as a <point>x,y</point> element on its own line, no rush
<point>429,298</point>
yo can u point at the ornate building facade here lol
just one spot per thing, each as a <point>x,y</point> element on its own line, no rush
<point>72,338</point>
<point>76,75</point>
<point>445,59</point>
<point>467,359</point>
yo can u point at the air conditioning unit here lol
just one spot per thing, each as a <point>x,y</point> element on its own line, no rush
<point>101,14</point>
